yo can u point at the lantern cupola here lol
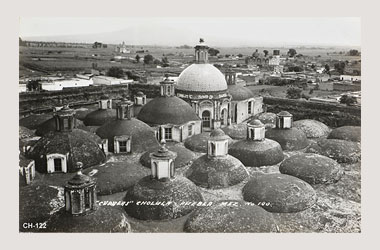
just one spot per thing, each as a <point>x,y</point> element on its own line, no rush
<point>65,119</point>
<point>230,77</point>
<point>80,194</point>
<point>217,144</point>
<point>284,120</point>
<point>140,99</point>
<point>105,102</point>
<point>167,87</point>
<point>201,52</point>
<point>255,130</point>
<point>124,109</point>
<point>162,163</point>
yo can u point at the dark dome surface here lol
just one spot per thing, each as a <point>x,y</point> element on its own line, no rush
<point>184,156</point>
<point>50,126</point>
<point>175,190</point>
<point>312,168</point>
<point>236,131</point>
<point>340,150</point>
<point>167,110</point>
<point>99,117</point>
<point>217,172</point>
<point>78,143</point>
<point>198,143</point>
<point>24,132</point>
<point>32,121</point>
<point>257,153</point>
<point>269,119</point>
<point>349,133</point>
<point>239,93</point>
<point>289,139</point>
<point>104,219</point>
<point>143,137</point>
<point>230,216</point>
<point>282,193</point>
<point>312,128</point>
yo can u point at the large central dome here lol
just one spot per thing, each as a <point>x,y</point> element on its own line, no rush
<point>201,77</point>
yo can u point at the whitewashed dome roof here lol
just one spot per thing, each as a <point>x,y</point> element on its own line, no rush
<point>201,78</point>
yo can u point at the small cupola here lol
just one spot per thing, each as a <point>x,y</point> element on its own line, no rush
<point>201,52</point>
<point>167,87</point>
<point>65,119</point>
<point>105,102</point>
<point>255,130</point>
<point>284,120</point>
<point>124,109</point>
<point>217,144</point>
<point>80,194</point>
<point>162,163</point>
<point>140,99</point>
<point>230,76</point>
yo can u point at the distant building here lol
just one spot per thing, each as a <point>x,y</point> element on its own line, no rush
<point>349,78</point>
<point>122,48</point>
<point>108,80</point>
<point>53,84</point>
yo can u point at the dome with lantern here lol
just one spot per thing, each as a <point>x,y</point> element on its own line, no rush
<point>256,150</point>
<point>127,133</point>
<point>104,113</point>
<point>59,150</point>
<point>162,195</point>
<point>217,169</point>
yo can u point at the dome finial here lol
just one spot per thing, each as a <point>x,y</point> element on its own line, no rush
<point>79,167</point>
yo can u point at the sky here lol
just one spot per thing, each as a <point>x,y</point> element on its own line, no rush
<point>339,31</point>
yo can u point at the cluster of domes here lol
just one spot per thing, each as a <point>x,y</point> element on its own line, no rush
<point>103,114</point>
<point>198,143</point>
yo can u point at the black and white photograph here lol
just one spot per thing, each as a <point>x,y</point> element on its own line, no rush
<point>190,124</point>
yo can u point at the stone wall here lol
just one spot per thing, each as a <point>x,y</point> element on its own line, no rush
<point>32,101</point>
<point>333,115</point>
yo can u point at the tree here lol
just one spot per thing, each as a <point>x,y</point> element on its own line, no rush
<point>246,60</point>
<point>33,85</point>
<point>353,52</point>
<point>255,54</point>
<point>138,58</point>
<point>293,93</point>
<point>165,61</point>
<point>265,52</point>
<point>348,100</point>
<point>292,52</point>
<point>148,59</point>
<point>240,55</point>
<point>213,52</point>
<point>115,72</point>
<point>340,66</point>
<point>327,68</point>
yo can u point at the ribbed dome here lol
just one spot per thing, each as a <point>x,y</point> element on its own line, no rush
<point>256,123</point>
<point>167,110</point>
<point>239,93</point>
<point>201,78</point>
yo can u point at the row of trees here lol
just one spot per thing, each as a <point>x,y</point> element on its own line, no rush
<point>149,59</point>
